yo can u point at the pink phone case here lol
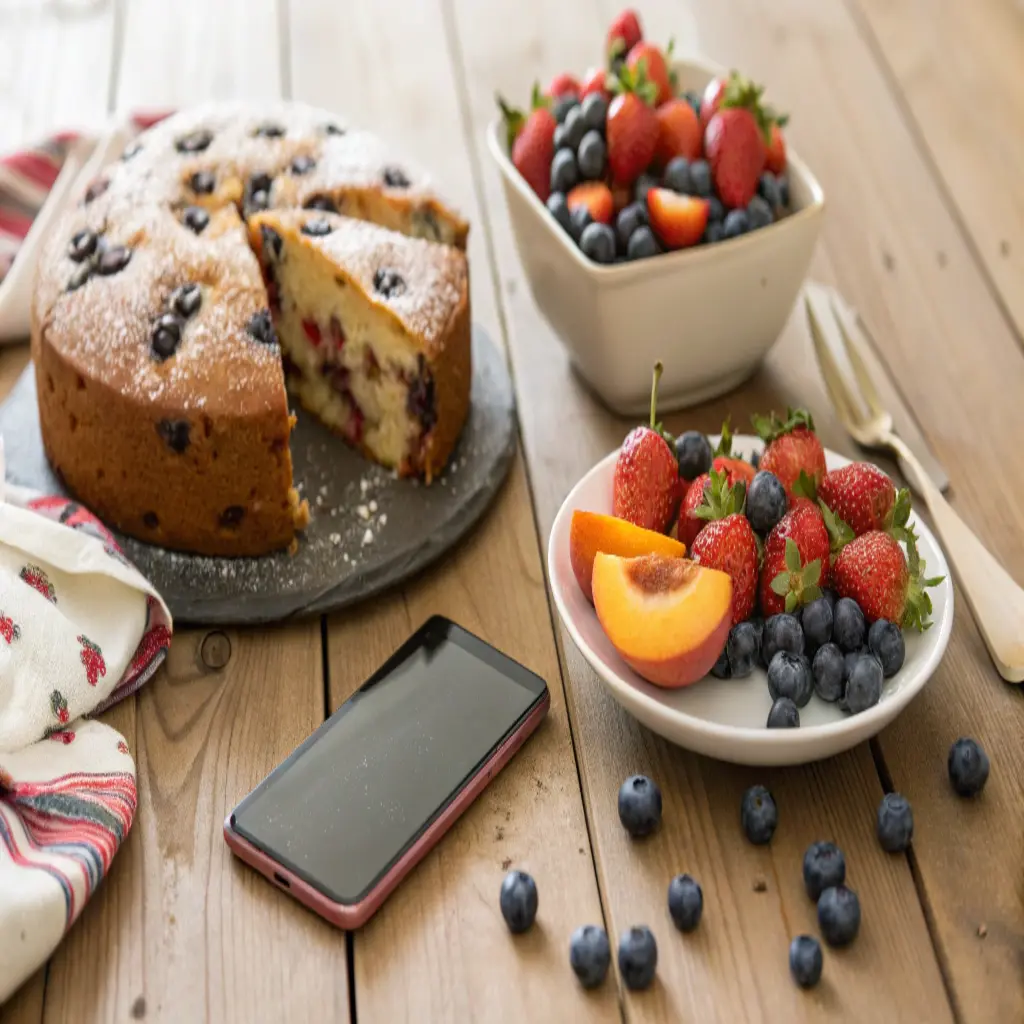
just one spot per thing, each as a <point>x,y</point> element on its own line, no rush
<point>352,915</point>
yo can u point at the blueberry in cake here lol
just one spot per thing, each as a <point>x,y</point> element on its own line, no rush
<point>155,329</point>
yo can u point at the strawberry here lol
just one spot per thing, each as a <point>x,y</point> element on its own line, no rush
<point>796,559</point>
<point>622,196</point>
<point>735,469</point>
<point>677,220</point>
<point>689,524</point>
<point>648,58</point>
<point>631,126</point>
<point>679,132</point>
<point>597,197</point>
<point>866,499</point>
<point>734,141</point>
<point>646,481</point>
<point>775,151</point>
<point>531,141</point>
<point>873,570</point>
<point>792,448</point>
<point>727,543</point>
<point>623,34</point>
<point>562,84</point>
<point>714,91</point>
<point>595,80</point>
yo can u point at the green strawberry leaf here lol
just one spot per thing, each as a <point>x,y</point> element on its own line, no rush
<point>780,585</point>
<point>724,447</point>
<point>792,602</point>
<point>771,426</point>
<point>811,593</point>
<point>720,499</point>
<point>514,120</point>
<point>839,533</point>
<point>812,573</point>
<point>793,563</point>
<point>805,487</point>
<point>901,508</point>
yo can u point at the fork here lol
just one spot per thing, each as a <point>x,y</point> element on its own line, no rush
<point>995,598</point>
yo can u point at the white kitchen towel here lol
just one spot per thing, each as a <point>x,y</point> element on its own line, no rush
<point>80,628</point>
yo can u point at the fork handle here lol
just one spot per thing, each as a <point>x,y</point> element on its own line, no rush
<point>995,598</point>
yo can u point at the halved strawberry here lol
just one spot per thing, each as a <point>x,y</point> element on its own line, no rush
<point>531,141</point>
<point>656,67</point>
<point>597,197</point>
<point>623,34</point>
<point>562,84</point>
<point>631,126</point>
<point>677,220</point>
<point>679,132</point>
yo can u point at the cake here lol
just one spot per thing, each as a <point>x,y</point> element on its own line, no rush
<point>155,328</point>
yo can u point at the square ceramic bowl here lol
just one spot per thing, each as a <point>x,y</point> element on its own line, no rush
<point>710,313</point>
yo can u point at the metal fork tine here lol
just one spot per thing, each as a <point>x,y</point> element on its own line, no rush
<point>860,370</point>
<point>837,389</point>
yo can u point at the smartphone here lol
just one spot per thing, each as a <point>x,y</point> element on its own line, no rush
<point>350,812</point>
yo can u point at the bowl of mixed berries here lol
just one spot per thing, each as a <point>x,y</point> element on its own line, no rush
<point>759,599</point>
<point>658,213</point>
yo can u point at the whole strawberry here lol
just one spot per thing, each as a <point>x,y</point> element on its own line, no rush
<point>873,571</point>
<point>727,543</point>
<point>792,448</point>
<point>735,141</point>
<point>655,65</point>
<point>866,499</point>
<point>689,523</point>
<point>631,126</point>
<point>623,34</point>
<point>645,488</point>
<point>796,560</point>
<point>735,468</point>
<point>531,141</point>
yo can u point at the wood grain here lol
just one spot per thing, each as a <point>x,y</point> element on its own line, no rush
<point>439,949</point>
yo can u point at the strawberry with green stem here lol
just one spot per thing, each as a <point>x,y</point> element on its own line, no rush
<point>723,459</point>
<point>864,497</point>
<point>531,141</point>
<point>797,559</point>
<point>631,125</point>
<point>791,448</point>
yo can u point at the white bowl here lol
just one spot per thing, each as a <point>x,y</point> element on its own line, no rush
<point>725,718</point>
<point>710,313</point>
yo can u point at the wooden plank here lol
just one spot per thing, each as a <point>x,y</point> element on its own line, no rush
<point>181,931</point>
<point>439,950</point>
<point>957,68</point>
<point>818,71</point>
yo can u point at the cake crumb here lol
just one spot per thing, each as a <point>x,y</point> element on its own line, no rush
<point>982,931</point>
<point>363,512</point>
<point>368,536</point>
<point>373,506</point>
<point>760,885</point>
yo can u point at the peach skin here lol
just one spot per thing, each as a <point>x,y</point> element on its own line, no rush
<point>667,617</point>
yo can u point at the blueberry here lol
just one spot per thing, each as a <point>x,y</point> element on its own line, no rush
<point>643,185</point>
<point>594,109</point>
<point>113,259</point>
<point>968,767</point>
<point>641,244</point>
<point>319,202</point>
<point>388,282</point>
<point>805,960</point>
<point>700,175</point>
<point>783,182</point>
<point>175,434</point>
<point>885,641</point>
<point>598,242</point>
<point>789,675</point>
<point>743,649</point>
<point>830,595</point>
<point>838,915</point>
<point>827,670</point>
<point>758,815</point>
<point>639,805</point>
<point>186,300</point>
<point>848,626</point>
<point>766,501</point>
<point>590,953</point>
<point>83,245</point>
<point>824,868</point>
<point>693,452</point>
<point>261,328</point>
<point>721,669</point>
<point>303,164</point>
<point>518,901</point>
<point>895,823</point>
<point>95,189</point>
<point>685,902</point>
<point>629,219</point>
<point>395,177</point>
<point>574,128</point>
<point>755,459</point>
<point>269,131</point>
<point>580,218</point>
<point>561,139</point>
<point>202,183</point>
<point>316,228</point>
<point>784,714</point>
<point>736,223</point>
<point>716,211</point>
<point>768,190</point>
<point>714,232</point>
<point>781,633</point>
<point>559,209</point>
<point>864,687</point>
<point>591,156</point>
<point>638,958</point>
<point>564,172</point>
<point>194,142</point>
<point>195,218</point>
<point>757,624</point>
<point>563,104</point>
<point>165,337</point>
<point>817,622</point>
<point>677,175</point>
<point>759,213</point>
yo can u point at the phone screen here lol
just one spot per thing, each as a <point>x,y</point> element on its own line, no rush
<point>349,801</point>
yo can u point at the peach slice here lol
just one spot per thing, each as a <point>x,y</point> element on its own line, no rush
<point>667,617</point>
<point>592,532</point>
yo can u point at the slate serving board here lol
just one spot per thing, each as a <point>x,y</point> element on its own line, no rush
<point>369,530</point>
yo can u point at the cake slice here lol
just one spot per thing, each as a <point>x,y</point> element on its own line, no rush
<point>374,328</point>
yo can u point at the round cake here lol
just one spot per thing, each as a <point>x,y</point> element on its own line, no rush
<point>160,369</point>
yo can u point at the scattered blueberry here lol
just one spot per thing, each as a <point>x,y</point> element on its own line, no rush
<point>768,190</point>
<point>195,218</point>
<point>824,868</point>
<point>827,672</point>
<point>817,622</point>
<point>805,960</point>
<point>166,336</point>
<point>642,243</point>
<point>831,596</point>
<point>766,501</point>
<point>783,182</point>
<point>186,300</point>
<point>389,282</point>
<point>83,245</point>
<point>784,714</point>
<point>559,209</point>
<point>968,767</point>
<point>895,823</point>
<point>757,624</point>
<point>864,687</point>
<point>743,649</point>
<point>685,902</point>
<point>316,228</point>
<point>574,128</point>
<point>721,669</point>
<point>563,104</point>
<point>580,218</point>
<point>113,259</point>
<point>693,452</point>
<point>885,641</point>
<point>598,242</point>
<point>643,185</point>
<point>561,139</point>
<point>594,109</point>
<point>848,626</point>
<point>80,276</point>
<point>564,172</point>
<point>629,219</point>
<point>789,675</point>
<point>202,183</point>
<point>590,954</point>
<point>839,915</point>
<point>677,175</point>
<point>714,232</point>
<point>261,327</point>
<point>737,223</point>
<point>591,156</point>
<point>639,806</point>
<point>759,213</point>
<point>849,660</point>
<point>518,901</point>
<point>781,633</point>
<point>175,434</point>
<point>758,815</point>
<point>638,957</point>
<point>716,211</point>
<point>700,175</point>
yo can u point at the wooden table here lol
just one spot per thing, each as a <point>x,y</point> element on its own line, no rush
<point>912,114</point>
